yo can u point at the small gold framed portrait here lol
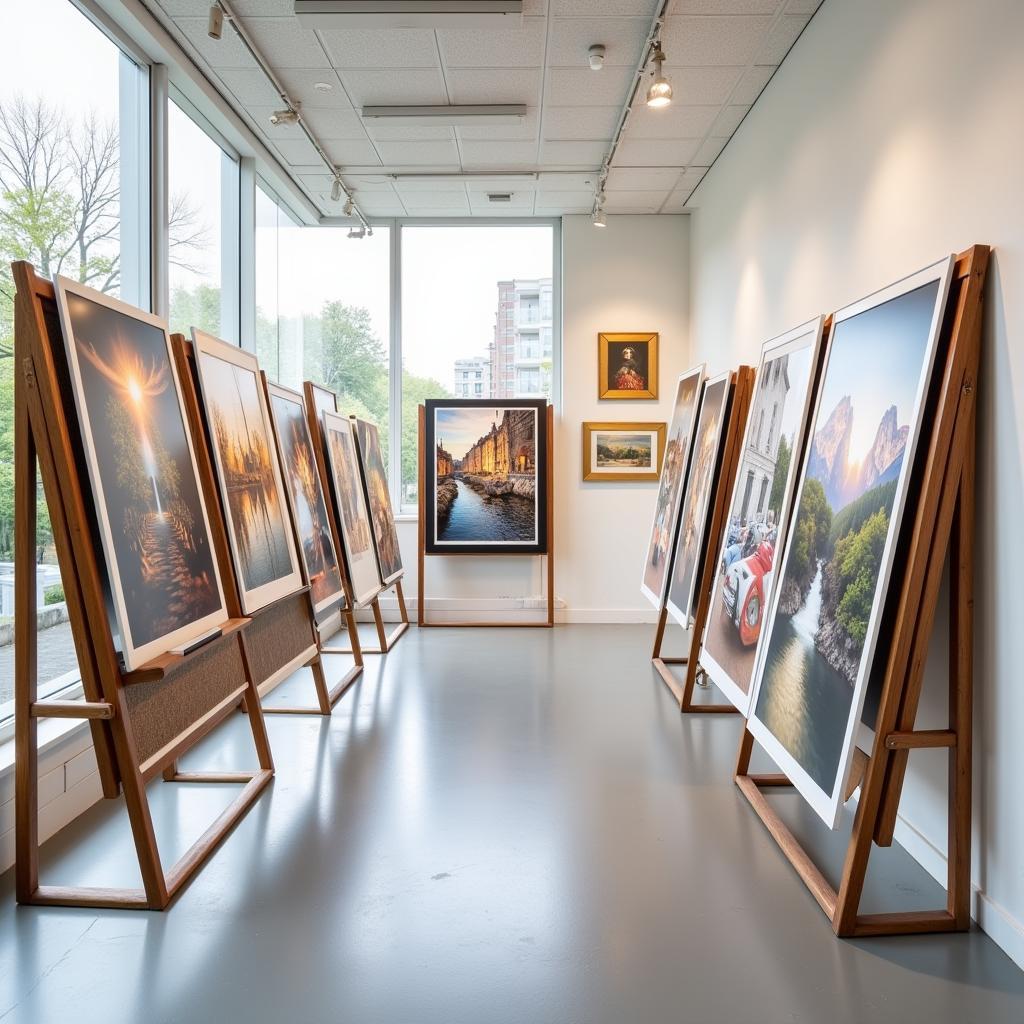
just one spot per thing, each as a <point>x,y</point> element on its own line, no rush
<point>627,366</point>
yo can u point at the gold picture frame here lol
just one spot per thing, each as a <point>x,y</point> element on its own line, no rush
<point>633,435</point>
<point>627,365</point>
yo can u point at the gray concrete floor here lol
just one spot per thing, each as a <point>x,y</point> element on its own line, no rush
<point>495,826</point>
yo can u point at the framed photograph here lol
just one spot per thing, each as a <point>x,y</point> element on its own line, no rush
<point>694,511</point>
<point>486,476</point>
<point>623,452</point>
<point>248,471</point>
<point>674,468</point>
<point>825,613</point>
<point>627,366</point>
<point>165,586</point>
<point>306,497</point>
<point>755,528</point>
<point>350,502</point>
<point>382,518</point>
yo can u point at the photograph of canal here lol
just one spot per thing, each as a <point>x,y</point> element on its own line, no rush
<point>306,496</point>
<point>248,472</point>
<point>162,571</point>
<point>489,479</point>
<point>831,591</point>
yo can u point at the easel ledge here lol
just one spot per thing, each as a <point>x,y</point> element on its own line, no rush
<point>943,524</point>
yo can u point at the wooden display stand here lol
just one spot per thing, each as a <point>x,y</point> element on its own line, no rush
<point>943,523</point>
<point>385,642</point>
<point>283,636</point>
<point>549,555</point>
<point>143,720</point>
<point>741,388</point>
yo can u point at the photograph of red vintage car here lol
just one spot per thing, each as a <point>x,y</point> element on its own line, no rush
<point>746,576</point>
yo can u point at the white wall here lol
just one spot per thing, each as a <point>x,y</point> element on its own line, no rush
<point>631,276</point>
<point>892,135</point>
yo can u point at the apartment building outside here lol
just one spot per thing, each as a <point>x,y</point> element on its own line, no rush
<point>522,351</point>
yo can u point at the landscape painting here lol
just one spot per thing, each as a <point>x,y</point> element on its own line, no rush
<point>759,511</point>
<point>627,365</point>
<point>486,476</point>
<point>832,588</point>
<point>248,472</point>
<point>622,452</point>
<point>670,487</point>
<point>350,502</point>
<point>306,497</point>
<point>707,444</point>
<point>382,518</point>
<point>162,572</point>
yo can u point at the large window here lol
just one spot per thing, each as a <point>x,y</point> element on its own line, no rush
<point>202,229</point>
<point>73,168</point>
<point>323,310</point>
<point>474,296</point>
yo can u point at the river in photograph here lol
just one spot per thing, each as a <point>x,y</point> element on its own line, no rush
<point>261,537</point>
<point>803,700</point>
<point>481,517</point>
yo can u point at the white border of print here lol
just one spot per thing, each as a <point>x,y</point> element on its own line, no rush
<point>784,344</point>
<point>828,805</point>
<point>658,600</point>
<point>133,655</point>
<point>206,345</point>
<point>536,490</point>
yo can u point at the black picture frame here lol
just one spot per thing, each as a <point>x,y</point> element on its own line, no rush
<point>539,544</point>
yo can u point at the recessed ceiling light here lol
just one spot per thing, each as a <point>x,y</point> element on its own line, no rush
<point>409,13</point>
<point>323,86</point>
<point>447,113</point>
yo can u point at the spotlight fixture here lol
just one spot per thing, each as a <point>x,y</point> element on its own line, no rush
<point>595,57</point>
<point>598,218</point>
<point>336,190</point>
<point>359,232</point>
<point>347,208</point>
<point>215,24</point>
<point>290,115</point>
<point>660,92</point>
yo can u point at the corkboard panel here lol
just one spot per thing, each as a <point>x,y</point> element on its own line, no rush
<point>277,635</point>
<point>161,710</point>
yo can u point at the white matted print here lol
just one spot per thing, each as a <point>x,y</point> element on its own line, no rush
<point>755,529</point>
<point>863,435</point>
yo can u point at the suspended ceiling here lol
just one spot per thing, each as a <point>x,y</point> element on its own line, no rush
<point>720,54</point>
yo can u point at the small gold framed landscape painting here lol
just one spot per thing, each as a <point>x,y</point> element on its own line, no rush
<point>623,452</point>
<point>627,366</point>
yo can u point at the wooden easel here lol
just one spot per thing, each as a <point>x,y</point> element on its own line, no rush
<point>741,389</point>
<point>385,642</point>
<point>548,556</point>
<point>142,721</point>
<point>942,524</point>
<point>283,636</point>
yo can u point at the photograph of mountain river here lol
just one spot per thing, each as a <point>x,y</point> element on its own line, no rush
<point>838,556</point>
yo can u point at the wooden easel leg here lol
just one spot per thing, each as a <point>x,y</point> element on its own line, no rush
<point>378,620</point>
<point>744,753</point>
<point>659,636</point>
<point>320,685</point>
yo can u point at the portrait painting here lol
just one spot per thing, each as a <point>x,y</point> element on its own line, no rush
<point>162,573</point>
<point>627,365</point>
<point>486,476</point>
<point>378,497</point>
<point>306,497</point>
<point>248,472</point>
<point>674,467</point>
<point>755,527</point>
<point>826,607</point>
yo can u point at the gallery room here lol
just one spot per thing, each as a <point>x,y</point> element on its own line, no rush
<point>507,511</point>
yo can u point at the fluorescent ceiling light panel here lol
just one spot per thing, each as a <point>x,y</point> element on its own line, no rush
<point>409,13</point>
<point>448,114</point>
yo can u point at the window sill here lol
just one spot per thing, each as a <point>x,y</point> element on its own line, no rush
<point>68,736</point>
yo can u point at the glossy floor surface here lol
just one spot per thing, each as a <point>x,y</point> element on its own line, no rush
<point>495,826</point>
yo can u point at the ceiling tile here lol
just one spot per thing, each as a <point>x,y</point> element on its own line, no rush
<point>623,39</point>
<point>630,179</point>
<point>381,48</point>
<point>527,130</point>
<point>419,154</point>
<point>520,201</point>
<point>250,86</point>
<point>567,181</point>
<point>286,44</point>
<point>297,152</point>
<point>403,186</point>
<point>753,81</point>
<point>369,88</point>
<point>407,133</point>
<point>494,48</point>
<point>676,203</point>
<point>581,122</point>
<point>499,154</point>
<point>708,152</point>
<point>559,210</point>
<point>334,124</point>
<point>227,52</point>
<point>781,38</point>
<point>573,154</point>
<point>704,41</point>
<point>500,183</point>
<point>702,86</point>
<point>603,8</point>
<point>501,85</point>
<point>655,153</point>
<point>691,177</point>
<point>802,6</point>
<point>377,205</point>
<point>301,84</point>
<point>634,202</point>
<point>421,202</point>
<point>675,122</point>
<point>263,8</point>
<point>723,6</point>
<point>366,182</point>
<point>582,197</point>
<point>352,153</point>
<point>583,87</point>
<point>728,121</point>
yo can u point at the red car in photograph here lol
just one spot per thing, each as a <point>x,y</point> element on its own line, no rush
<point>745,591</point>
